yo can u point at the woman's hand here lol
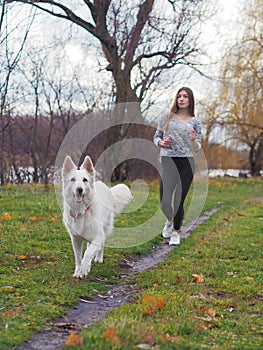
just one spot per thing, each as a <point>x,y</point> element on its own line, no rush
<point>166,143</point>
<point>195,144</point>
<point>192,135</point>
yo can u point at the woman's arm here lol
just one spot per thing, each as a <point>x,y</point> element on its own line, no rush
<point>158,137</point>
<point>196,135</point>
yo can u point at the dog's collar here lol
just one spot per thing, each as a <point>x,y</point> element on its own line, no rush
<point>79,215</point>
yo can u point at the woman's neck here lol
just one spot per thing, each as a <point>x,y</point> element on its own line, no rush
<point>183,112</point>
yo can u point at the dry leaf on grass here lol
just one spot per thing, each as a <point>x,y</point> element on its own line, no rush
<point>151,299</point>
<point>198,279</point>
<point>248,278</point>
<point>232,273</point>
<point>22,257</point>
<point>153,304</point>
<point>6,217</point>
<point>210,312</point>
<point>9,288</point>
<point>10,313</point>
<point>111,335</point>
<point>170,339</point>
<point>147,299</point>
<point>160,303</point>
<point>178,279</point>
<point>74,340</point>
<point>203,326</point>
<point>149,311</point>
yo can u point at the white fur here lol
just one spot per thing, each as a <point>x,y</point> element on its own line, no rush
<point>89,208</point>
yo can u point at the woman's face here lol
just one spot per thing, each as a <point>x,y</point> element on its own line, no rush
<point>183,99</point>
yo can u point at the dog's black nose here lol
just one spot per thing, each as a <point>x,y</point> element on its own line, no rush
<point>79,190</point>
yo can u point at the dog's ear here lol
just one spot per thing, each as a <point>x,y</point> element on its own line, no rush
<point>68,165</point>
<point>88,165</point>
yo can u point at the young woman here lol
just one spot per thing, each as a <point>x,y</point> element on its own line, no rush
<point>178,136</point>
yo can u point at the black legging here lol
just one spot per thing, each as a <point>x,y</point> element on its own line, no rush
<point>177,176</point>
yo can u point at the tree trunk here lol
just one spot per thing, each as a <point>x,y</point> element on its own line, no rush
<point>256,156</point>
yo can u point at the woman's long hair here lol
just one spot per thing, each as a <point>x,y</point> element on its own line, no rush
<point>175,107</point>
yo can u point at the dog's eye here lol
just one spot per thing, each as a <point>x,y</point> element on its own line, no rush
<point>73,179</point>
<point>85,180</point>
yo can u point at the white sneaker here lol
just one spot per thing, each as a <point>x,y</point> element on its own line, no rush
<point>167,230</point>
<point>175,238</point>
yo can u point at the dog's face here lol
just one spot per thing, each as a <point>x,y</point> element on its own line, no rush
<point>78,182</point>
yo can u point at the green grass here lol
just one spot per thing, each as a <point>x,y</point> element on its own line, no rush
<point>224,311</point>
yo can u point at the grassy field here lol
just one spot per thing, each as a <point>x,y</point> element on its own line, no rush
<point>206,295</point>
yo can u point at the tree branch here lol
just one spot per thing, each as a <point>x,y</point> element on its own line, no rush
<point>2,15</point>
<point>69,15</point>
<point>135,34</point>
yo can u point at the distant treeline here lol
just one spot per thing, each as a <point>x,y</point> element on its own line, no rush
<point>29,148</point>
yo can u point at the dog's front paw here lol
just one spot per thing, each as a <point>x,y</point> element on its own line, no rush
<point>82,272</point>
<point>98,259</point>
<point>79,275</point>
<point>77,272</point>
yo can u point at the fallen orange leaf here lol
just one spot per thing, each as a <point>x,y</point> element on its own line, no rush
<point>210,312</point>
<point>111,334</point>
<point>8,288</point>
<point>146,299</point>
<point>74,340</point>
<point>6,217</point>
<point>33,218</point>
<point>153,304</point>
<point>11,313</point>
<point>160,303</point>
<point>149,311</point>
<point>22,257</point>
<point>202,326</point>
<point>198,279</point>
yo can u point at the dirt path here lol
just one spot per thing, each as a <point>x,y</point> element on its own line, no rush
<point>87,312</point>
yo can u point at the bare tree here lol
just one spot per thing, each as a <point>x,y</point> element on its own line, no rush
<point>242,93</point>
<point>139,39</point>
<point>52,98</point>
<point>9,58</point>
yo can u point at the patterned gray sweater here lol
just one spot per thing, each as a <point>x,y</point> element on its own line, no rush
<point>178,131</point>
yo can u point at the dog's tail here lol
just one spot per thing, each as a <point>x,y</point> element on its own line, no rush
<point>121,197</point>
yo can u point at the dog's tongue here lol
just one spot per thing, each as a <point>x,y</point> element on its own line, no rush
<point>78,198</point>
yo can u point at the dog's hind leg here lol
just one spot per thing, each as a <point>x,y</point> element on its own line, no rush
<point>77,249</point>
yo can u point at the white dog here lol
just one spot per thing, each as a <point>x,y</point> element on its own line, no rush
<point>88,211</point>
